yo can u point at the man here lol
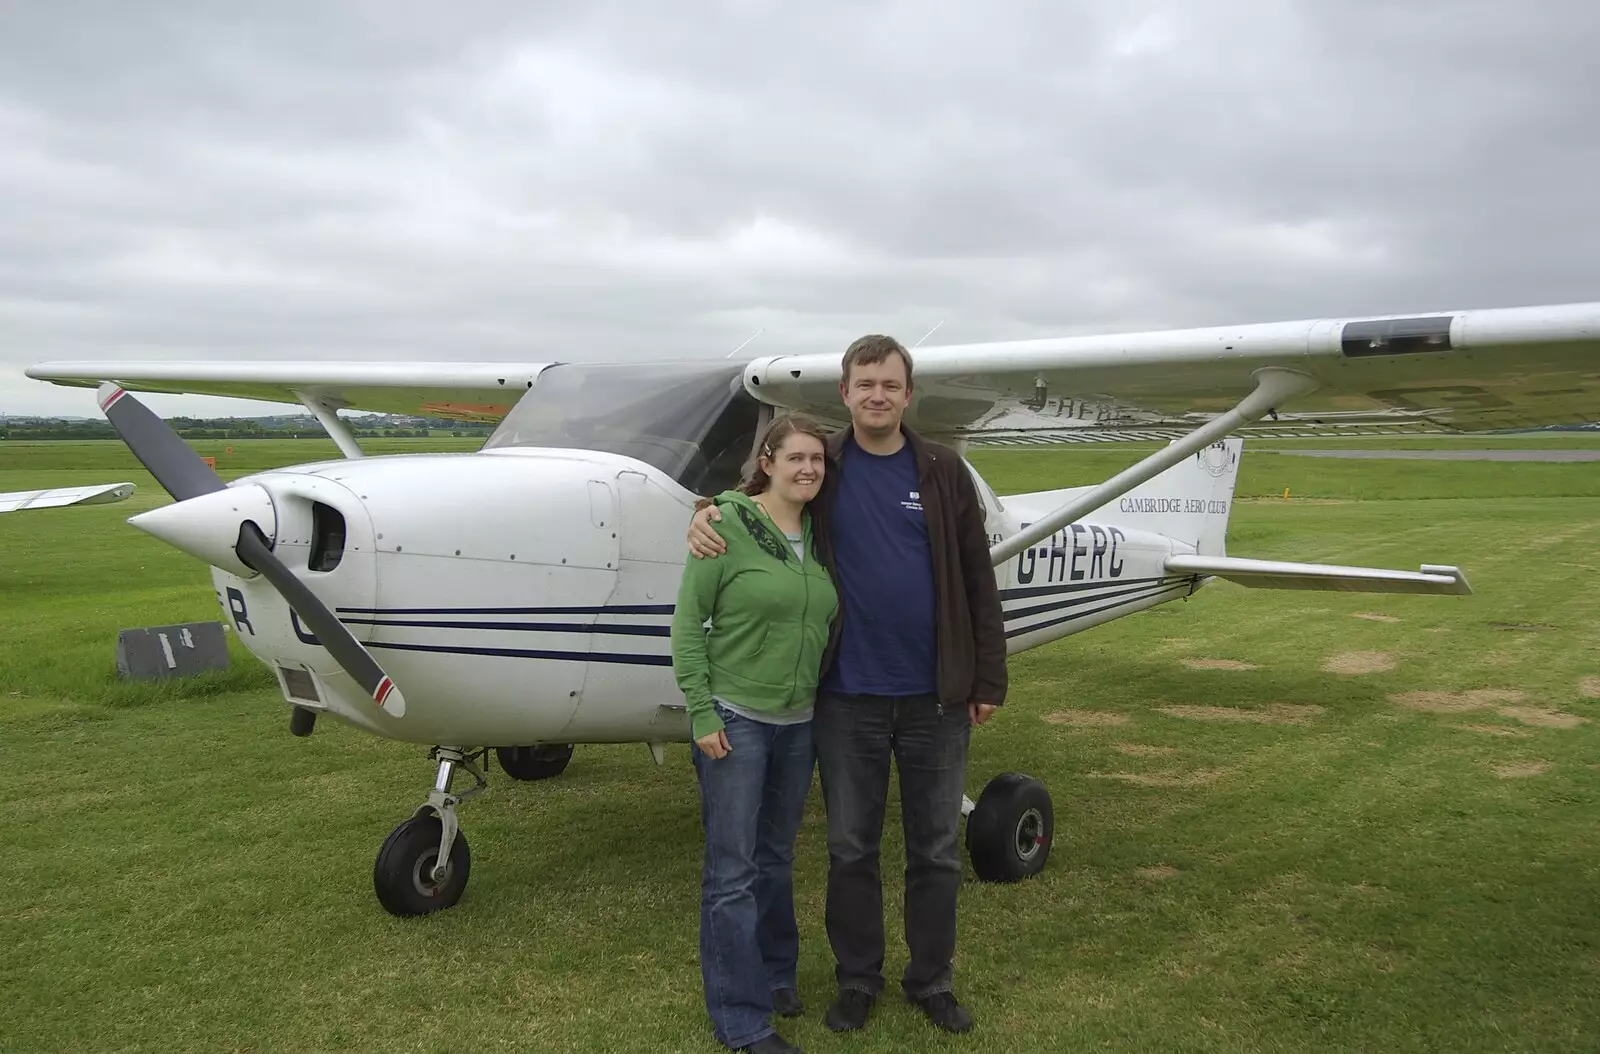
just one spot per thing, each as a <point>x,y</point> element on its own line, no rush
<point>918,659</point>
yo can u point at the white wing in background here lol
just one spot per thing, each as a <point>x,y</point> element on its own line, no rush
<point>60,497</point>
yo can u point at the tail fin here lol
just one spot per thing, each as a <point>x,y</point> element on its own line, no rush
<point>1204,483</point>
<point>1190,501</point>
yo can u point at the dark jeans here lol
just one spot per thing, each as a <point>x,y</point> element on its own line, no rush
<point>751,802</point>
<point>855,737</point>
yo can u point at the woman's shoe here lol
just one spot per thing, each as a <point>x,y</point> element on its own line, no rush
<point>786,1002</point>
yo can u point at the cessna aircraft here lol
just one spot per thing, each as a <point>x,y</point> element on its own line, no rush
<point>519,597</point>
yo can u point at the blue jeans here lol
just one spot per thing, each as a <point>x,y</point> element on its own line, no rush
<point>751,802</point>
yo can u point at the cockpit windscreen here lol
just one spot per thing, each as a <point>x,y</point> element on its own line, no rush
<point>694,421</point>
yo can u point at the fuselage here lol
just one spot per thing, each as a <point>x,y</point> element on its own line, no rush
<point>524,595</point>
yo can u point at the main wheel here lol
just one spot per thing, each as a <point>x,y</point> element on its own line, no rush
<point>535,763</point>
<point>403,873</point>
<point>1010,831</point>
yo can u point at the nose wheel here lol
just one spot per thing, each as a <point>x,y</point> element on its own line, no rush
<point>423,865</point>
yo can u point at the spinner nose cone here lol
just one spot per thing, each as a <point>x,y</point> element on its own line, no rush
<point>207,525</point>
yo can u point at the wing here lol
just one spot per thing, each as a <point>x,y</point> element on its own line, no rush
<point>473,391</point>
<point>103,494</point>
<point>1455,370</point>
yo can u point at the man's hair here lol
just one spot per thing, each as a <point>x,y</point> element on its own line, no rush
<point>875,348</point>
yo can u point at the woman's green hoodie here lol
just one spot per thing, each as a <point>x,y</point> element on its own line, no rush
<point>769,618</point>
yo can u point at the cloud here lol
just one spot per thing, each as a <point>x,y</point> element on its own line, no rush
<point>611,181</point>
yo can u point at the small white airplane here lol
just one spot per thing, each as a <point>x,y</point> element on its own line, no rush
<point>519,597</point>
<point>62,497</point>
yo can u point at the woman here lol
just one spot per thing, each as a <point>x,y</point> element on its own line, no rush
<point>750,681</point>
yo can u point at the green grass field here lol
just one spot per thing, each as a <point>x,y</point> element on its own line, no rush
<point>1285,820</point>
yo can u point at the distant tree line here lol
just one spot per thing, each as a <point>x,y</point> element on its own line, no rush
<point>243,428</point>
<point>56,430</point>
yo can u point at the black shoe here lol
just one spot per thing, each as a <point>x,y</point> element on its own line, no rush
<point>943,1010</point>
<point>849,1011</point>
<point>773,1044</point>
<point>786,1002</point>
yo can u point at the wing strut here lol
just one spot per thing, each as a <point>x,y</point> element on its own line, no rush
<point>338,428</point>
<point>1274,385</point>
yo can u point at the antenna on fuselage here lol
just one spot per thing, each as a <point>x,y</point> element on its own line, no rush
<point>741,347</point>
<point>928,334</point>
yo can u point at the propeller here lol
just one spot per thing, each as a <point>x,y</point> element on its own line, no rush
<point>170,460</point>
<point>185,476</point>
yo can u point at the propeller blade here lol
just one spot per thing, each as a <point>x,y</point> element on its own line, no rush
<point>170,460</point>
<point>332,634</point>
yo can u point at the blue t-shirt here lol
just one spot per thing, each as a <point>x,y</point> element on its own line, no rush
<point>884,573</point>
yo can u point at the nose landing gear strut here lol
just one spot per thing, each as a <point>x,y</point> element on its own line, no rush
<point>423,865</point>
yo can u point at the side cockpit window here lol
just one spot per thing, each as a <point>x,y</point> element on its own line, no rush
<point>727,447</point>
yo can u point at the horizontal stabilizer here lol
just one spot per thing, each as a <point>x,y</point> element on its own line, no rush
<point>1283,574</point>
<point>104,494</point>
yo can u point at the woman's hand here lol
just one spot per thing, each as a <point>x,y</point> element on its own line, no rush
<point>715,745</point>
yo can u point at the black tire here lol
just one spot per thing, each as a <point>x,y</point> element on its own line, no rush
<point>535,763</point>
<point>402,875</point>
<point>302,722</point>
<point>1010,833</point>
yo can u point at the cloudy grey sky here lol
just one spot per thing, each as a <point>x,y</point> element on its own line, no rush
<point>583,181</point>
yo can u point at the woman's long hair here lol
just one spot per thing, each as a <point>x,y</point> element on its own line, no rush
<point>756,479</point>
